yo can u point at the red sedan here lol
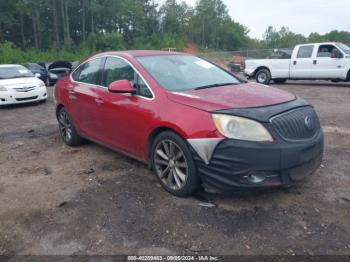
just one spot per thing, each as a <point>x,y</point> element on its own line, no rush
<point>193,122</point>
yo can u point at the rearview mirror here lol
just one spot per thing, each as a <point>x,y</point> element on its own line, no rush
<point>121,87</point>
<point>37,75</point>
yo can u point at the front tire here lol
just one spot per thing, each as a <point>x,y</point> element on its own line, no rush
<point>263,76</point>
<point>173,165</point>
<point>67,130</point>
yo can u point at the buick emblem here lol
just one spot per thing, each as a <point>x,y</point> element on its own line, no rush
<point>308,123</point>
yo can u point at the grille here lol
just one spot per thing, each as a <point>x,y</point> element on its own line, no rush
<point>27,98</point>
<point>297,124</point>
<point>25,89</point>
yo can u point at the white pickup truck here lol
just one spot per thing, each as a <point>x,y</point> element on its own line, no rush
<point>323,61</point>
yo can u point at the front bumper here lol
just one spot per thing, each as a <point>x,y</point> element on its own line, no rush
<point>13,97</point>
<point>249,72</point>
<point>246,165</point>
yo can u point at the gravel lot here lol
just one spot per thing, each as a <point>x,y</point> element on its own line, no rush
<point>91,200</point>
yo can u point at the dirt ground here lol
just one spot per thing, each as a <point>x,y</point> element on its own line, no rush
<point>91,200</point>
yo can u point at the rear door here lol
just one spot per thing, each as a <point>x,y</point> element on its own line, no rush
<point>124,119</point>
<point>302,62</point>
<point>329,63</point>
<point>84,99</point>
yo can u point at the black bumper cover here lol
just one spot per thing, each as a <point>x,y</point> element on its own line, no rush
<point>281,163</point>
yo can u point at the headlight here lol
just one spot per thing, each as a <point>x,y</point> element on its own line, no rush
<point>53,76</point>
<point>241,128</point>
<point>2,88</point>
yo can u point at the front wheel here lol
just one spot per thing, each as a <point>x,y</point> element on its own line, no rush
<point>263,76</point>
<point>67,130</point>
<point>173,165</point>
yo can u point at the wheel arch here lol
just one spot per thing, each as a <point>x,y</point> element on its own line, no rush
<point>58,108</point>
<point>261,67</point>
<point>155,132</point>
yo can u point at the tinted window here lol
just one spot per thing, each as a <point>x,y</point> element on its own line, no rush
<point>88,72</point>
<point>117,69</point>
<point>305,51</point>
<point>185,72</point>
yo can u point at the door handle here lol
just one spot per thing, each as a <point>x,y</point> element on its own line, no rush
<point>71,92</point>
<point>99,101</point>
<point>315,62</point>
<point>295,62</point>
<point>339,66</point>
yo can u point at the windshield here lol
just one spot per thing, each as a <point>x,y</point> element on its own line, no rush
<point>14,72</point>
<point>184,72</point>
<point>35,67</point>
<point>345,48</point>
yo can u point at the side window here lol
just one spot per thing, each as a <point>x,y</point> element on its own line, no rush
<point>77,72</point>
<point>328,51</point>
<point>88,72</point>
<point>117,69</point>
<point>141,88</point>
<point>305,51</point>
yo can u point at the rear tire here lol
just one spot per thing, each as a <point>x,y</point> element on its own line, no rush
<point>348,77</point>
<point>173,165</point>
<point>263,76</point>
<point>67,130</point>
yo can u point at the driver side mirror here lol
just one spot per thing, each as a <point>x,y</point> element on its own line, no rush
<point>121,87</point>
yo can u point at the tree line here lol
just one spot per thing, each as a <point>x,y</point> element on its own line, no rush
<point>97,25</point>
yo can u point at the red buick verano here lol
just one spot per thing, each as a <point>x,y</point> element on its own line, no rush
<point>193,122</point>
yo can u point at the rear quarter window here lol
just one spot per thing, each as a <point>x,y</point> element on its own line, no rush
<point>88,72</point>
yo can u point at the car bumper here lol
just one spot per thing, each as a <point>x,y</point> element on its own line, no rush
<point>248,72</point>
<point>10,98</point>
<point>237,165</point>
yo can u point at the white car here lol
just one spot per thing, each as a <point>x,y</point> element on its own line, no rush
<point>322,61</point>
<point>18,85</point>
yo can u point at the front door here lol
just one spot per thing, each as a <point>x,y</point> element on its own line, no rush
<point>84,98</point>
<point>329,63</point>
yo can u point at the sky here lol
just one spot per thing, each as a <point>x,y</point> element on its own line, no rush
<point>301,16</point>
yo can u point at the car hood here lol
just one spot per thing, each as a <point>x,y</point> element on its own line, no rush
<point>245,95</point>
<point>20,81</point>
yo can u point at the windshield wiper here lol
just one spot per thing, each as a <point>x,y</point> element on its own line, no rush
<point>214,85</point>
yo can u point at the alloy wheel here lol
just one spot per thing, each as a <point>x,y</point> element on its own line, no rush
<point>171,164</point>
<point>262,77</point>
<point>65,126</point>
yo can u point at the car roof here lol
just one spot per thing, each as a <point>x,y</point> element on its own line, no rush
<point>322,43</point>
<point>138,53</point>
